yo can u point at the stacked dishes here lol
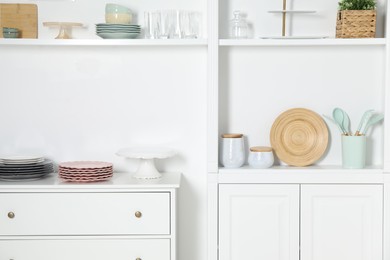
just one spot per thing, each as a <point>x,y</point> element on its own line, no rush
<point>85,171</point>
<point>15,168</point>
<point>117,31</point>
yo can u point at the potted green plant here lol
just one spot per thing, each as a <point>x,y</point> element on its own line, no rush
<point>356,19</point>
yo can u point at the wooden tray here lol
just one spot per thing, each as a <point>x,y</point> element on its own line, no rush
<point>21,16</point>
<point>299,137</point>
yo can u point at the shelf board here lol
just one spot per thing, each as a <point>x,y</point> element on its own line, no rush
<point>302,42</point>
<point>104,42</point>
<point>119,181</point>
<point>292,11</point>
<point>310,174</point>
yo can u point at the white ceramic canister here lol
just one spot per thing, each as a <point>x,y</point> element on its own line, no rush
<point>233,151</point>
<point>261,157</point>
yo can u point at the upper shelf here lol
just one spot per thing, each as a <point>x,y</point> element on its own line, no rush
<point>292,11</point>
<point>302,42</point>
<point>101,42</point>
<point>195,42</point>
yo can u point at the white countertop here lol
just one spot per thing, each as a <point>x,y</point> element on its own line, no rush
<point>119,181</point>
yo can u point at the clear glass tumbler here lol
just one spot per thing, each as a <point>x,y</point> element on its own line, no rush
<point>152,25</point>
<point>167,18</point>
<point>190,24</point>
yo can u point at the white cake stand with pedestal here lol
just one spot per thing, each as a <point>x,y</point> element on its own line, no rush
<point>146,169</point>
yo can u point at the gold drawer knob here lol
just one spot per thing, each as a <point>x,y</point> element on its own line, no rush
<point>11,214</point>
<point>138,258</point>
<point>138,214</point>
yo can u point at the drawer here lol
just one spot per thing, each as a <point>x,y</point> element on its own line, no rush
<point>91,249</point>
<point>85,213</point>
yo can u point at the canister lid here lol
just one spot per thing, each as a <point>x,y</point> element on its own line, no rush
<point>261,149</point>
<point>232,135</point>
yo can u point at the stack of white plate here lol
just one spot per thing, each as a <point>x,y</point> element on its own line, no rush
<point>117,31</point>
<point>15,168</point>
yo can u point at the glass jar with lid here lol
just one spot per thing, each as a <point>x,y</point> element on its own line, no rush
<point>238,26</point>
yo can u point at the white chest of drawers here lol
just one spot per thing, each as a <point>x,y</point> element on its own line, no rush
<point>123,218</point>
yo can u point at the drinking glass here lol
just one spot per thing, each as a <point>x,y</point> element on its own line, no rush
<point>176,32</point>
<point>190,24</point>
<point>152,25</point>
<point>166,22</point>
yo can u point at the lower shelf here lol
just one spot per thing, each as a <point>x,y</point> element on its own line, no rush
<point>316,168</point>
<point>311,174</point>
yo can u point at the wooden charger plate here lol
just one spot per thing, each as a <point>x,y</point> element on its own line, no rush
<point>299,137</point>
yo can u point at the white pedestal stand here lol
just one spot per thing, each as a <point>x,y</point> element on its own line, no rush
<point>146,169</point>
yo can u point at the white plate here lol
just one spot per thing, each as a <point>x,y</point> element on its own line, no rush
<point>116,25</point>
<point>117,31</point>
<point>118,35</point>
<point>20,158</point>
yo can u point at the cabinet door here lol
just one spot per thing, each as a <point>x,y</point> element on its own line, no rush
<point>341,222</point>
<point>258,221</point>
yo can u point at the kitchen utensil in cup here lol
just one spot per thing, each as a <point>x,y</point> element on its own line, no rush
<point>338,116</point>
<point>363,121</point>
<point>152,25</point>
<point>353,151</point>
<point>372,121</point>
<point>346,122</point>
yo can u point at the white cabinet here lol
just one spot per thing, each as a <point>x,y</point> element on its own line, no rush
<point>259,222</point>
<point>300,221</point>
<point>123,218</point>
<point>341,222</point>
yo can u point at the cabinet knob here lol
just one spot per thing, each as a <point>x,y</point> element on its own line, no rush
<point>138,214</point>
<point>138,258</point>
<point>11,214</point>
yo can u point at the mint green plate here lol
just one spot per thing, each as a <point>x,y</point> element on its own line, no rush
<point>118,35</point>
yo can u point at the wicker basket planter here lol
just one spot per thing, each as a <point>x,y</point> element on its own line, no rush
<point>356,24</point>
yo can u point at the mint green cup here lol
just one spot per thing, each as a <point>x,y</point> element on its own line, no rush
<point>353,152</point>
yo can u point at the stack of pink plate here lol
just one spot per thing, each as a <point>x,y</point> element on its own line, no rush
<point>85,171</point>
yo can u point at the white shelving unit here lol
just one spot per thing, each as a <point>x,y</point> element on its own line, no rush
<point>251,81</point>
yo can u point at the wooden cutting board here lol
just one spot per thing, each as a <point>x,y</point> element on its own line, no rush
<point>21,16</point>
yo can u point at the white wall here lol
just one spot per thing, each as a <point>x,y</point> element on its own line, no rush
<point>84,103</point>
<point>258,84</point>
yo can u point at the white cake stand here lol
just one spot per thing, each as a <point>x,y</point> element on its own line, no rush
<point>146,169</point>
